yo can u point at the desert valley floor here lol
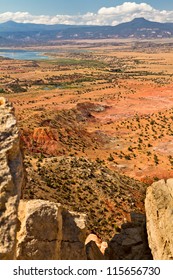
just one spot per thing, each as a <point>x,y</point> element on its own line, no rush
<point>105,103</point>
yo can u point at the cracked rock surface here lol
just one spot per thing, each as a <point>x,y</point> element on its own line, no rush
<point>48,232</point>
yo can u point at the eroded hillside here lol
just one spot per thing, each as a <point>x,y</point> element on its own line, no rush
<point>88,187</point>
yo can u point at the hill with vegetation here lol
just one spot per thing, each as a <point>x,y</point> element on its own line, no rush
<point>86,186</point>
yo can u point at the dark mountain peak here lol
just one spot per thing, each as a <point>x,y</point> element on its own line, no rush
<point>140,20</point>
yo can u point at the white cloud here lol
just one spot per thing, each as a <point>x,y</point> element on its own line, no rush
<point>105,16</point>
<point>127,7</point>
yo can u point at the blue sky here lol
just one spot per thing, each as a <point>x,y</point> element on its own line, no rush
<point>101,12</point>
<point>53,7</point>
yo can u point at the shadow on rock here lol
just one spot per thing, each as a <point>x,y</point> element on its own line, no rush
<point>131,243</point>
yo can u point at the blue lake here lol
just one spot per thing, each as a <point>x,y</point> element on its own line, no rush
<point>32,55</point>
<point>23,54</point>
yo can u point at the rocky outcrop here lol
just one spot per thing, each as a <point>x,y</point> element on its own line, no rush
<point>11,179</point>
<point>40,230</point>
<point>159,213</point>
<point>131,243</point>
<point>49,232</point>
<point>46,231</point>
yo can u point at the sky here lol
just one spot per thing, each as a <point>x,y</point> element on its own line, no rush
<point>87,12</point>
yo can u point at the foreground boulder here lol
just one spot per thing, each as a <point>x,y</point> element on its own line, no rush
<point>49,232</point>
<point>159,213</point>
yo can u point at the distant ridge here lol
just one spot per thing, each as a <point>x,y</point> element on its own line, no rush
<point>12,26</point>
<point>16,33</point>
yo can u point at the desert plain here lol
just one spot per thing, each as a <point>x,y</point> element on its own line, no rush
<point>107,102</point>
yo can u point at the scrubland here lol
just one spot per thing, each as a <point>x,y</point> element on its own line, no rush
<point>103,105</point>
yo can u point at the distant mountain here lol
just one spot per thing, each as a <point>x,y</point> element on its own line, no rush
<point>141,28</point>
<point>24,33</point>
<point>12,26</point>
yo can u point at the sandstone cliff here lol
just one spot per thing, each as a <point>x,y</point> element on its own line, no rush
<point>11,179</point>
<point>159,213</point>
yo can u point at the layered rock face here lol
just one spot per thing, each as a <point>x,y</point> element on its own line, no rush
<point>159,213</point>
<point>11,179</point>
